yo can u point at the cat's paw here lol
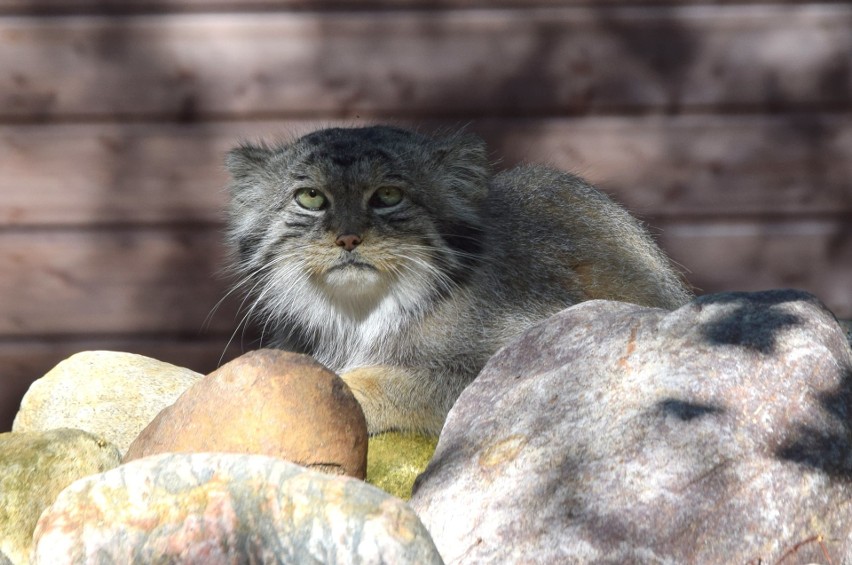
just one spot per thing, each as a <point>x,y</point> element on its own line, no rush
<point>390,399</point>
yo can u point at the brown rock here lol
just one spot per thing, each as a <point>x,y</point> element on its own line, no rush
<point>266,402</point>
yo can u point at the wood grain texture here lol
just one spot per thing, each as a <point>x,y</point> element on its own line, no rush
<point>663,167</point>
<point>467,63</point>
<point>112,281</point>
<point>815,256</point>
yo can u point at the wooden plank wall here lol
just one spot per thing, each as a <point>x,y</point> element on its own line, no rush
<point>727,127</point>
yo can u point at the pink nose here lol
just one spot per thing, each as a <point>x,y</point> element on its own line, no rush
<point>348,241</point>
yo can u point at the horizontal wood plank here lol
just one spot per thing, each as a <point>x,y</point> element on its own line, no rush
<point>661,167</point>
<point>104,174</point>
<point>24,361</point>
<point>701,167</point>
<point>113,281</point>
<point>732,256</point>
<point>164,282</point>
<point>427,62</point>
<point>124,6</point>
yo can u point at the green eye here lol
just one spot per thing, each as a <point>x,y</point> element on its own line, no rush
<point>386,197</point>
<point>310,198</point>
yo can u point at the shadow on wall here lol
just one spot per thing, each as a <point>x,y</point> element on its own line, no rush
<point>148,256</point>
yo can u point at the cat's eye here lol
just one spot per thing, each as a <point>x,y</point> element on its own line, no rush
<point>386,197</point>
<point>311,198</point>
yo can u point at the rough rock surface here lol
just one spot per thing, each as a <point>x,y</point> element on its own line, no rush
<point>34,468</point>
<point>847,327</point>
<point>717,433</point>
<point>110,394</point>
<point>214,508</point>
<point>266,402</point>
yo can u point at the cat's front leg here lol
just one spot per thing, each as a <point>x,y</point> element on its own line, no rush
<point>396,398</point>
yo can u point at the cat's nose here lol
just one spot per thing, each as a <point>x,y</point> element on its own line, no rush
<point>348,241</point>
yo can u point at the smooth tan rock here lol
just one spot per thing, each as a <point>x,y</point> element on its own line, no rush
<point>266,402</point>
<point>110,394</point>
<point>212,508</point>
<point>34,468</point>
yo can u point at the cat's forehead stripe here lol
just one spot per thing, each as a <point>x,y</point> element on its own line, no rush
<point>345,155</point>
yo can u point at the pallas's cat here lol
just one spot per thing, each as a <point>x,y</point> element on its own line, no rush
<point>403,262</point>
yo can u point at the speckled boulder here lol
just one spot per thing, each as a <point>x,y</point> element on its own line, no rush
<point>266,402</point>
<point>214,508</point>
<point>34,468</point>
<point>717,433</point>
<point>110,394</point>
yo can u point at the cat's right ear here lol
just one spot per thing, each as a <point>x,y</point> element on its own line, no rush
<point>247,160</point>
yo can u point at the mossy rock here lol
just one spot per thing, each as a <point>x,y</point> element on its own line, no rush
<point>34,468</point>
<point>395,459</point>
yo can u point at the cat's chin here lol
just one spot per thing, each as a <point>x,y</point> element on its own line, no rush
<point>355,280</point>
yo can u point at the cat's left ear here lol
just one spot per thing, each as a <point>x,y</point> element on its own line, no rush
<point>461,149</point>
<point>247,160</point>
<point>463,161</point>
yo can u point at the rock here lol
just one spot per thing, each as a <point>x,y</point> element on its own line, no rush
<point>266,402</point>
<point>847,327</point>
<point>34,468</point>
<point>717,433</point>
<point>110,394</point>
<point>395,459</point>
<point>227,508</point>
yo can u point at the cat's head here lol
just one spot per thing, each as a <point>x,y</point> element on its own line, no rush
<point>349,217</point>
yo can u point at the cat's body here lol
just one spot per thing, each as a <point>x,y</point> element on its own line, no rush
<point>403,263</point>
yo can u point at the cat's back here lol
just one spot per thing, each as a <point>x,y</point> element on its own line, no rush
<point>556,238</point>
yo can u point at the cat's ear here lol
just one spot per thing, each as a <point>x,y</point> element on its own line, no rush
<point>247,160</point>
<point>462,161</point>
<point>461,149</point>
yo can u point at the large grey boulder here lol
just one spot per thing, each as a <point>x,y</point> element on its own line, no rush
<point>717,433</point>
